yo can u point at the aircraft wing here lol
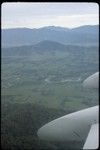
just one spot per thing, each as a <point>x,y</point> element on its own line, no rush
<point>92,81</point>
<point>77,126</point>
<point>92,141</point>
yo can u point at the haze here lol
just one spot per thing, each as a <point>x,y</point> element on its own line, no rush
<point>36,15</point>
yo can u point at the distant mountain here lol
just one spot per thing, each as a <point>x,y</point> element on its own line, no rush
<point>23,36</point>
<point>47,46</point>
<point>56,28</point>
<point>37,48</point>
<point>88,28</point>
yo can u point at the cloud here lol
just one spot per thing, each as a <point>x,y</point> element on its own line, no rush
<point>43,14</point>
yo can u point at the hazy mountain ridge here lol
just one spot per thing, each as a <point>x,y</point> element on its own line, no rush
<point>25,36</point>
<point>45,46</point>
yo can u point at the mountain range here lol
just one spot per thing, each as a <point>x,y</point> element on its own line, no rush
<point>84,35</point>
<point>49,47</point>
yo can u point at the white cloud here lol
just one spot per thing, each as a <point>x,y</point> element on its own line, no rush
<point>36,15</point>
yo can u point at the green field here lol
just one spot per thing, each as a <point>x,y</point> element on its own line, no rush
<point>41,87</point>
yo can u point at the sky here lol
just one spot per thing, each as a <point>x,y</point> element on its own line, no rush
<point>36,15</point>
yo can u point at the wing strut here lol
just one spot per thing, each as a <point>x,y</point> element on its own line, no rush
<point>92,141</point>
